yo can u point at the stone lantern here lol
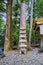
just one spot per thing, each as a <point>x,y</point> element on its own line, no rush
<point>22,37</point>
<point>39,23</point>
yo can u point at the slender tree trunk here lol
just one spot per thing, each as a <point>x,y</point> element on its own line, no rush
<point>7,45</point>
<point>31,23</point>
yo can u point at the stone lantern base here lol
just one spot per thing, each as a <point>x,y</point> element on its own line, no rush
<point>23,49</point>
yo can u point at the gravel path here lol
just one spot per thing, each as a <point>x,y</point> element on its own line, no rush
<point>31,58</point>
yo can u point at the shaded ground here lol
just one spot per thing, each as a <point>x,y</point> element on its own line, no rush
<point>31,58</point>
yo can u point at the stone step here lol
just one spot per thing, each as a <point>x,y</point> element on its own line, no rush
<point>23,28</point>
<point>22,45</point>
<point>22,36</point>
<point>22,41</point>
<point>23,32</point>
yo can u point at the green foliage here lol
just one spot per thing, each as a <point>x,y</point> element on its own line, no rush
<point>15,31</point>
<point>2,6</point>
<point>2,31</point>
<point>2,37</point>
<point>37,37</point>
<point>15,23</point>
<point>2,26</point>
<point>27,30</point>
<point>38,8</point>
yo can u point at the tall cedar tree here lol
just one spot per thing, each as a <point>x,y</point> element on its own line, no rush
<point>8,44</point>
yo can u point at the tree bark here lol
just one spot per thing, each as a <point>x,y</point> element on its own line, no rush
<point>7,45</point>
<point>31,23</point>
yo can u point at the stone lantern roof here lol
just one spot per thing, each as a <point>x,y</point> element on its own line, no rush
<point>38,22</point>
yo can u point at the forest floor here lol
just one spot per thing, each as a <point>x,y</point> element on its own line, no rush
<point>15,58</point>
